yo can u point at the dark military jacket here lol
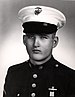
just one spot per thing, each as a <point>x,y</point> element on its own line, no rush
<point>51,79</point>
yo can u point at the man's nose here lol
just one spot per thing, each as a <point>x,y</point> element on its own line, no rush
<point>36,42</point>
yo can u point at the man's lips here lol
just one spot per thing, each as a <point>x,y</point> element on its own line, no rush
<point>36,51</point>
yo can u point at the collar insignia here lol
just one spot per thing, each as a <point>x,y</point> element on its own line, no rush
<point>37,10</point>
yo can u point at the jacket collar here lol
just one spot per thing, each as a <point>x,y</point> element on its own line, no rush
<point>50,63</point>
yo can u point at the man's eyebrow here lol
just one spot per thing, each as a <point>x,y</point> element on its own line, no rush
<point>44,35</point>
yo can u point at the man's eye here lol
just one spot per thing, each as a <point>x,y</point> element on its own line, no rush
<point>30,36</point>
<point>44,37</point>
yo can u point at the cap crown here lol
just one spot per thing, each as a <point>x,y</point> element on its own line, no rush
<point>42,14</point>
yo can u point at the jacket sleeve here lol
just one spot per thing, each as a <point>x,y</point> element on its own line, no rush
<point>71,90</point>
<point>7,85</point>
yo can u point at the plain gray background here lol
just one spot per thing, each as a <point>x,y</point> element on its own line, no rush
<point>12,50</point>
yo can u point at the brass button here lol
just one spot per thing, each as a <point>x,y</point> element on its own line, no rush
<point>56,65</point>
<point>18,95</point>
<point>33,85</point>
<point>33,94</point>
<point>34,75</point>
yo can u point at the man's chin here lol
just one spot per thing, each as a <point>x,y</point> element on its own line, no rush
<point>37,57</point>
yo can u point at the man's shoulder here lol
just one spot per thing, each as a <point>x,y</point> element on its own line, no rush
<point>19,66</point>
<point>66,70</point>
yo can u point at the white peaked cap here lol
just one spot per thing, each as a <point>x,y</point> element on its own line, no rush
<point>42,14</point>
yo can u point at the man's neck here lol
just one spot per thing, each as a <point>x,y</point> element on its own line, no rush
<point>39,62</point>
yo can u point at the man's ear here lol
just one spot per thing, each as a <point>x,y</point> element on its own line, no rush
<point>55,41</point>
<point>24,39</point>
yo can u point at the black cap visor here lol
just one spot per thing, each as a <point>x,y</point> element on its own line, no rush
<point>39,28</point>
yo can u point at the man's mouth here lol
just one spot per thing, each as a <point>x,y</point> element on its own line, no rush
<point>36,51</point>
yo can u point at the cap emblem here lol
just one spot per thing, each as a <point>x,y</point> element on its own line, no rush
<point>37,10</point>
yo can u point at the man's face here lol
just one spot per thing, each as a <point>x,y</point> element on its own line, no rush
<point>39,47</point>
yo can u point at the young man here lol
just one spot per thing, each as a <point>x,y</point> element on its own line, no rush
<point>41,75</point>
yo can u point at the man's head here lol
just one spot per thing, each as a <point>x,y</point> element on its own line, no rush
<point>40,24</point>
